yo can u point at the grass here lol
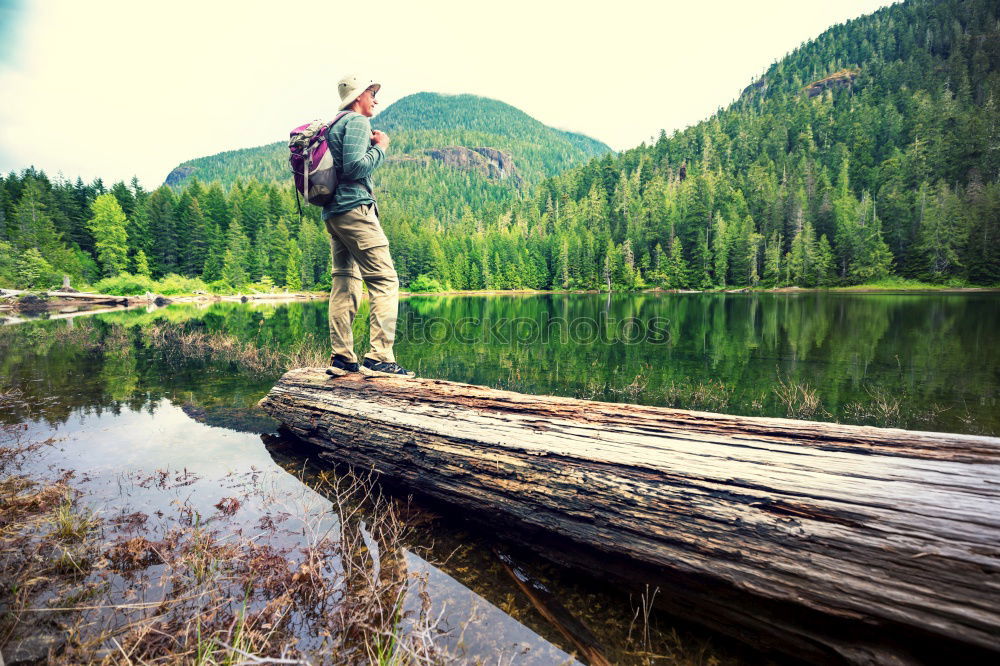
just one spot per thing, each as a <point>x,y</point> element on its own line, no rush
<point>223,347</point>
<point>904,284</point>
<point>69,523</point>
<point>711,395</point>
<point>201,590</point>
<point>799,399</point>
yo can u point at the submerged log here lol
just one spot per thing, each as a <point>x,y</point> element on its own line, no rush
<point>830,542</point>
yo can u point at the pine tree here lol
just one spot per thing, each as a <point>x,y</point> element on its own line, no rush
<point>125,197</point>
<point>236,259</point>
<point>293,270</point>
<point>982,254</point>
<point>701,259</point>
<point>193,234</point>
<point>140,264</point>
<point>215,207</point>
<point>941,235</point>
<point>277,257</point>
<point>823,266</point>
<point>233,271</point>
<point>31,227</point>
<point>772,260</point>
<point>845,220</point>
<point>871,259</point>
<point>676,271</point>
<point>162,224</point>
<point>111,240</point>
<point>802,258</point>
<point>562,267</point>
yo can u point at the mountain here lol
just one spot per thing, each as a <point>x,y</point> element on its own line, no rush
<point>485,146</point>
<point>430,120</point>
<point>870,151</point>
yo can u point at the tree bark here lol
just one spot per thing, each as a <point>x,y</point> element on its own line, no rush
<point>830,542</point>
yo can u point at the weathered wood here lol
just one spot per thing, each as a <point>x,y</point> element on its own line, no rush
<point>872,537</point>
<point>70,295</point>
<point>60,298</point>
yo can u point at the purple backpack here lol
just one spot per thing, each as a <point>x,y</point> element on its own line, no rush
<point>312,162</point>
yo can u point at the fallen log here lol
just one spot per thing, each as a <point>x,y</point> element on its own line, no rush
<point>830,542</point>
<point>58,298</point>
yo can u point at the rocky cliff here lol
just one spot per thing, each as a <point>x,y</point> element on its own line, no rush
<point>490,162</point>
<point>179,175</point>
<point>842,79</point>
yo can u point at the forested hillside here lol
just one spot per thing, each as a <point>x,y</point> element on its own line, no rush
<point>423,185</point>
<point>871,151</point>
<point>421,121</point>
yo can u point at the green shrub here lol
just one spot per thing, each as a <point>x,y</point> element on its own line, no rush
<point>425,283</point>
<point>125,284</point>
<point>220,287</point>
<point>265,284</point>
<point>323,284</point>
<point>7,269</point>
<point>173,284</point>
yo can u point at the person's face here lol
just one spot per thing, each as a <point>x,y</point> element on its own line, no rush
<point>367,102</point>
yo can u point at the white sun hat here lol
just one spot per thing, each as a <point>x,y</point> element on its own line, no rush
<point>350,88</point>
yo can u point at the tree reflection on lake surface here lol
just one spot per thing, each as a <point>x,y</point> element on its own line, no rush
<point>139,394</point>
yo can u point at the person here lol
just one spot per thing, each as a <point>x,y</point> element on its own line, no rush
<point>359,246</point>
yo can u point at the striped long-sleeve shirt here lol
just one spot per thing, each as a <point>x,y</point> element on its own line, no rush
<point>355,157</point>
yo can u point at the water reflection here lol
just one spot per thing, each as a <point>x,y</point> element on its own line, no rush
<point>918,361</point>
<point>155,410</point>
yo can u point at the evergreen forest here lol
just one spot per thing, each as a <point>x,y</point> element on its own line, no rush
<point>870,152</point>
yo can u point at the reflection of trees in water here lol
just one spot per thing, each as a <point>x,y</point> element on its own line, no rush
<point>723,352</point>
<point>96,366</point>
<point>843,346</point>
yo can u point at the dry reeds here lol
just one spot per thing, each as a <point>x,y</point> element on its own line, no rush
<point>203,591</point>
<point>223,347</point>
<point>800,401</point>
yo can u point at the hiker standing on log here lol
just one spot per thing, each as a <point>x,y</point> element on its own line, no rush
<point>359,246</point>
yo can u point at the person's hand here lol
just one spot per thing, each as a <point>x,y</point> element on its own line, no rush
<point>380,139</point>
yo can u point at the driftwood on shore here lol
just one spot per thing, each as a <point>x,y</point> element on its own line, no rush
<point>830,542</point>
<point>48,300</point>
<point>70,296</point>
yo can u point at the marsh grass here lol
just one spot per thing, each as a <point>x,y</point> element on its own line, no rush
<point>203,589</point>
<point>799,399</point>
<point>711,395</point>
<point>248,354</point>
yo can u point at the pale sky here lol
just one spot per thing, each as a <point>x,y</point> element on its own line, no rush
<point>116,88</point>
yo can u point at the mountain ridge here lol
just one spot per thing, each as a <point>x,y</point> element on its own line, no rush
<point>418,122</point>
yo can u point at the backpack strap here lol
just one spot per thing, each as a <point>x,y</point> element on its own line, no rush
<point>329,128</point>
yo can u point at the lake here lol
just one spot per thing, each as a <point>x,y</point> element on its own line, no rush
<point>154,411</point>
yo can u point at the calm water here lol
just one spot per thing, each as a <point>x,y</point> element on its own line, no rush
<point>126,408</point>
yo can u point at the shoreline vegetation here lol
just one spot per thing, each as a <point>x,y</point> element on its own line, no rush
<point>13,299</point>
<point>106,586</point>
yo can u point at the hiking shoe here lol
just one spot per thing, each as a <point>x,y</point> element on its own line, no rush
<point>340,366</point>
<point>373,368</point>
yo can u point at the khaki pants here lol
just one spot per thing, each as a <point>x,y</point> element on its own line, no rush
<point>361,252</point>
